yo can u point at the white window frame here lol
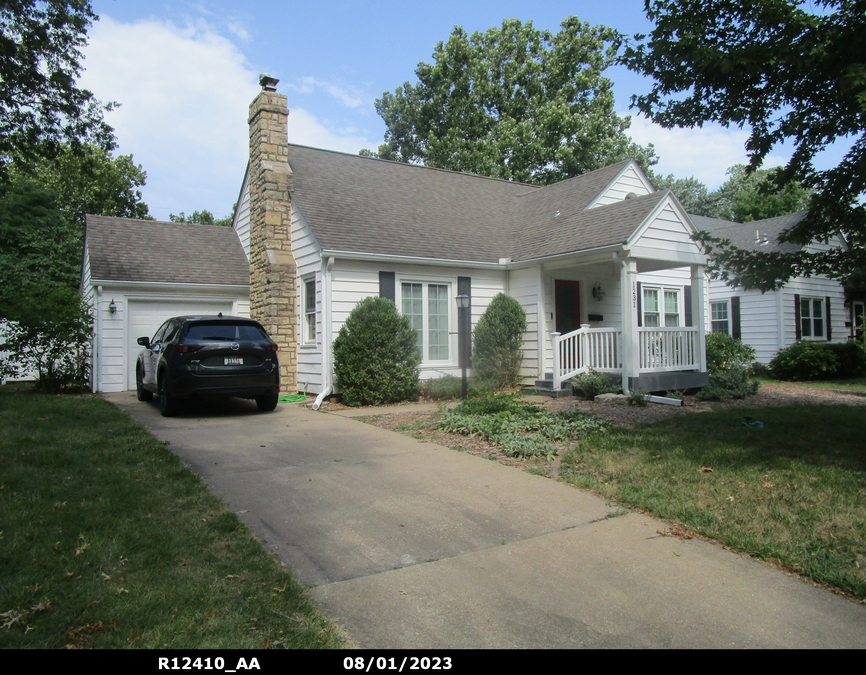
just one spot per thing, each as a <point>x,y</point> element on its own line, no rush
<point>426,282</point>
<point>662,314</point>
<point>824,318</point>
<point>309,318</point>
<point>727,319</point>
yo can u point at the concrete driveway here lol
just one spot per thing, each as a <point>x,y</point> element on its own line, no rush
<point>412,545</point>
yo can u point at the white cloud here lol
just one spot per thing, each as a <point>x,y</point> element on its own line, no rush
<point>185,95</point>
<point>705,152</point>
<point>237,28</point>
<point>348,96</point>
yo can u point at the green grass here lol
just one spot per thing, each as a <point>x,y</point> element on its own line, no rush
<point>857,384</point>
<point>792,493</point>
<point>108,540</point>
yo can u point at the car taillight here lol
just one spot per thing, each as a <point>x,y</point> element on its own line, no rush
<point>272,348</point>
<point>187,349</point>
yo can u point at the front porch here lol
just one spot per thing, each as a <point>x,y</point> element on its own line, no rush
<point>667,358</point>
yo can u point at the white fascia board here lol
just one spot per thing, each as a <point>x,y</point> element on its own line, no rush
<point>561,256</point>
<point>415,260</point>
<point>240,197</point>
<point>631,165</point>
<point>168,286</point>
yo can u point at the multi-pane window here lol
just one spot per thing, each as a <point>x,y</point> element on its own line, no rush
<point>428,308</point>
<point>654,312</point>
<point>720,318</point>
<point>309,332</point>
<point>812,318</point>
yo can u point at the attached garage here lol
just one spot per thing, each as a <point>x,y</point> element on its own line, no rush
<point>138,273</point>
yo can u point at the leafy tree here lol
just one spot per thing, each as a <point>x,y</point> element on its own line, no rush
<point>376,355</point>
<point>694,195</point>
<point>91,181</point>
<point>203,217</point>
<point>790,75</point>
<point>514,103</point>
<point>497,349</point>
<point>753,195</point>
<point>41,108</point>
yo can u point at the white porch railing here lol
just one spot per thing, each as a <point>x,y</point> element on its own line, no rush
<point>660,350</point>
<point>663,349</point>
<point>574,353</point>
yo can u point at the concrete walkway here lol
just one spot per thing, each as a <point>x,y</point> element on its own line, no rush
<point>411,545</point>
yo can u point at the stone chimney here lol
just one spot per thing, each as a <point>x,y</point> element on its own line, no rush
<point>273,278</point>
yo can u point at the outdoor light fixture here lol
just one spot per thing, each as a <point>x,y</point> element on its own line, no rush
<point>598,291</point>
<point>463,301</point>
<point>112,307</point>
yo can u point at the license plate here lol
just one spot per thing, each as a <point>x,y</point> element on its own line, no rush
<point>234,360</point>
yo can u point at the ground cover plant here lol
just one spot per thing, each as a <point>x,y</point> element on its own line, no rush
<point>791,491</point>
<point>520,428</point>
<point>108,540</point>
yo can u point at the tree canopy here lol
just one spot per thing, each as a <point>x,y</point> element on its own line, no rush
<point>42,214</point>
<point>787,74</point>
<point>743,197</point>
<point>42,109</point>
<point>514,103</point>
<point>203,217</point>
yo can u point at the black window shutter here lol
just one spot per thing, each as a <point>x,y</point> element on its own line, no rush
<point>829,323</point>
<point>797,331</point>
<point>387,287</point>
<point>736,331</point>
<point>639,305</point>
<point>464,325</point>
<point>687,299</point>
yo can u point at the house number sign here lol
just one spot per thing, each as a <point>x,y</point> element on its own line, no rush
<point>634,294</point>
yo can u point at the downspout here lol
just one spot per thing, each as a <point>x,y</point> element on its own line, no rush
<point>625,294</point>
<point>327,369</point>
<point>97,347</point>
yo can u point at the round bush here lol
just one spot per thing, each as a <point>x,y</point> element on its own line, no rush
<point>376,355</point>
<point>805,360</point>
<point>725,352</point>
<point>497,349</point>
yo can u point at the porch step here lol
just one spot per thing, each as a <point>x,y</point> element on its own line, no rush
<point>545,388</point>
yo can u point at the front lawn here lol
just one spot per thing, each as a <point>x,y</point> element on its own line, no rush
<point>854,384</point>
<point>791,492</point>
<point>108,540</point>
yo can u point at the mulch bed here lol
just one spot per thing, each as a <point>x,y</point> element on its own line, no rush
<point>417,424</point>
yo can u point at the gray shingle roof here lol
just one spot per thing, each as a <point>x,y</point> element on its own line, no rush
<point>366,205</point>
<point>125,249</point>
<point>742,235</point>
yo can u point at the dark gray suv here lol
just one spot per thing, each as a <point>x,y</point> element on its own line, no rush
<point>205,356</point>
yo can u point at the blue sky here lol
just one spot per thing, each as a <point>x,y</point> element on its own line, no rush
<point>185,73</point>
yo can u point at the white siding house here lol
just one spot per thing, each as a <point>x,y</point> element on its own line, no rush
<point>807,308</point>
<point>138,273</point>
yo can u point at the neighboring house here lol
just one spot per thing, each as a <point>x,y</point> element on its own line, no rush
<point>138,273</point>
<point>604,266</point>
<point>807,308</point>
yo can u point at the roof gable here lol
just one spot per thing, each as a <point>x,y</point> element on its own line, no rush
<point>126,249</point>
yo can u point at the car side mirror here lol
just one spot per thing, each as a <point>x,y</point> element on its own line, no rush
<point>144,341</point>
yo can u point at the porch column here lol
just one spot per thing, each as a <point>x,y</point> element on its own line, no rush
<point>699,308</point>
<point>630,337</point>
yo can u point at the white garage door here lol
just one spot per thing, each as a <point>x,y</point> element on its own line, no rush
<point>145,316</point>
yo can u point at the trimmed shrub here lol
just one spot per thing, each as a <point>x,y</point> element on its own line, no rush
<point>852,358</point>
<point>724,352</point>
<point>376,355</point>
<point>729,362</point>
<point>804,360</point>
<point>497,349</point>
<point>592,383</point>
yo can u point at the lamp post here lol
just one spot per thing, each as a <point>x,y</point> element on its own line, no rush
<point>463,301</point>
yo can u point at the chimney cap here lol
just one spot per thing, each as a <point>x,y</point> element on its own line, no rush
<point>268,83</point>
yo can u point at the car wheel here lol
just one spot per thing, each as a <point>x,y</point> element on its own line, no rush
<point>267,402</point>
<point>142,393</point>
<point>167,405</point>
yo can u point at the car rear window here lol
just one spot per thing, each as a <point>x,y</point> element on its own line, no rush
<point>241,332</point>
